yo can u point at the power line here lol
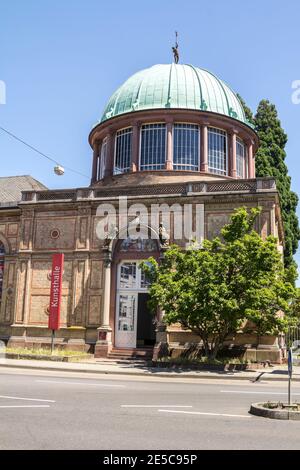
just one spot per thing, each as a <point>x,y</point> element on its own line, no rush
<point>40,153</point>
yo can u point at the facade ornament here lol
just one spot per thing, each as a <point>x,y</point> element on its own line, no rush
<point>164,237</point>
<point>110,235</point>
<point>107,260</point>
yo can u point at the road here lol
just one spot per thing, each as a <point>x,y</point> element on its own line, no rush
<point>53,410</point>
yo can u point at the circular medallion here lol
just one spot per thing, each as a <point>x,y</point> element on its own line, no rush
<point>55,233</point>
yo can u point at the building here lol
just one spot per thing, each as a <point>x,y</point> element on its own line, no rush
<point>171,136</point>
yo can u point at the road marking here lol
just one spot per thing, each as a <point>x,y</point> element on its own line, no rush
<point>24,406</point>
<point>79,383</point>
<point>203,413</point>
<point>156,406</point>
<point>28,399</point>
<point>260,392</point>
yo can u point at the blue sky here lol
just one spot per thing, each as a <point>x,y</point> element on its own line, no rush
<point>62,59</point>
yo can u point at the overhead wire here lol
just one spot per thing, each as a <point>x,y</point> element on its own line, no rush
<point>41,153</point>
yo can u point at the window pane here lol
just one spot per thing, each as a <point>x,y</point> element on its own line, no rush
<point>102,162</point>
<point>145,283</point>
<point>240,158</point>
<point>153,147</point>
<point>126,313</point>
<point>123,151</point>
<point>128,276</point>
<point>217,151</point>
<point>186,147</point>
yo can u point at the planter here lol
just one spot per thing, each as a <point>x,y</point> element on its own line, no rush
<point>44,357</point>
<point>287,412</point>
<point>207,367</point>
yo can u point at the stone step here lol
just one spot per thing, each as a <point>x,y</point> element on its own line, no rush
<point>123,353</point>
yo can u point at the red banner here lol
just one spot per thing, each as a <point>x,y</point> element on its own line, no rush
<point>55,291</point>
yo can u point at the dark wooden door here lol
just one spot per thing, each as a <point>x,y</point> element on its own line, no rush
<point>145,326</point>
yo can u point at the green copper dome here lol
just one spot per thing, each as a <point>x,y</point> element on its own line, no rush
<point>174,86</point>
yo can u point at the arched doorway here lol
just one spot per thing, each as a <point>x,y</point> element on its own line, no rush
<point>134,323</point>
<point>2,254</point>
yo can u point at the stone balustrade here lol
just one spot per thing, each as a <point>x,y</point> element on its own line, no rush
<point>202,187</point>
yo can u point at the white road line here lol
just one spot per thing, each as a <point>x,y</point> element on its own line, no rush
<point>27,399</point>
<point>203,413</point>
<point>260,392</point>
<point>24,406</point>
<point>156,406</point>
<point>80,383</point>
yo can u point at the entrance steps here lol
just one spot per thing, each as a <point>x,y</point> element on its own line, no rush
<point>144,354</point>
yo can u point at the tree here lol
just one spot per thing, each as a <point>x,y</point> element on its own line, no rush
<point>247,110</point>
<point>270,161</point>
<point>295,307</point>
<point>214,289</point>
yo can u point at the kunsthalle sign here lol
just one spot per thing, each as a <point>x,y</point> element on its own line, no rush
<point>55,291</point>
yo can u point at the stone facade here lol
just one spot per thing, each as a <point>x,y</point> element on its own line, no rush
<point>46,222</point>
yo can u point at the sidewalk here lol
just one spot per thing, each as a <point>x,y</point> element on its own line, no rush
<point>138,369</point>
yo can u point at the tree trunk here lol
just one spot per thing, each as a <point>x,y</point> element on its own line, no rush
<point>214,351</point>
<point>206,348</point>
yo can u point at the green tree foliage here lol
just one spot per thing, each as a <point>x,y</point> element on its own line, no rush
<point>295,307</point>
<point>213,290</point>
<point>270,161</point>
<point>247,110</point>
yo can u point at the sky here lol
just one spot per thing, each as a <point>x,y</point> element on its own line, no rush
<point>60,61</point>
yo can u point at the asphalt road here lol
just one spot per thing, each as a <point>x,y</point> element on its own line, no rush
<point>52,410</point>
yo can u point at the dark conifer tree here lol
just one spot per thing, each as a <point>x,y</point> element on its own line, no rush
<point>270,161</point>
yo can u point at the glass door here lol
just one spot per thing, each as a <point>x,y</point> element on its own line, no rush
<point>130,283</point>
<point>126,321</point>
<point>126,314</point>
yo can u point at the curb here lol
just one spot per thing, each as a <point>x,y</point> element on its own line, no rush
<point>258,409</point>
<point>171,374</point>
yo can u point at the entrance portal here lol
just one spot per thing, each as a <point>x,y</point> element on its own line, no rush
<point>134,323</point>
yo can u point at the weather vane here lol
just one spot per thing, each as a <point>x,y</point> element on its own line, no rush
<point>175,49</point>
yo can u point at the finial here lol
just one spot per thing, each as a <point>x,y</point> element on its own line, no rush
<point>175,49</point>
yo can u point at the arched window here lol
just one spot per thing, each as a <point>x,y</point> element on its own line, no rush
<point>153,147</point>
<point>2,253</point>
<point>102,159</point>
<point>217,151</point>
<point>123,151</point>
<point>186,147</point>
<point>241,169</point>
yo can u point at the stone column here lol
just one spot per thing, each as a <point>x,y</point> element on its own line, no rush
<point>251,162</point>
<point>204,149</point>
<point>109,155</point>
<point>95,162</point>
<point>104,343</point>
<point>233,155</point>
<point>169,159</point>
<point>135,147</point>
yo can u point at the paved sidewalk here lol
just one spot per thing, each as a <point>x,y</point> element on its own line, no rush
<point>278,373</point>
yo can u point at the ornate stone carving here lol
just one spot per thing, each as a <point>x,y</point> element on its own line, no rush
<point>110,235</point>
<point>164,236</point>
